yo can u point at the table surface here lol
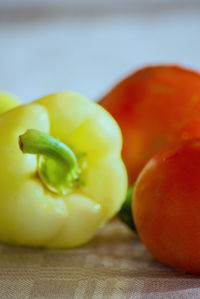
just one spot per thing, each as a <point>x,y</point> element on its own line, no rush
<point>113,265</point>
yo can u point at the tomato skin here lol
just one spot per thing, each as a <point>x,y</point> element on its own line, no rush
<point>166,206</point>
<point>154,106</point>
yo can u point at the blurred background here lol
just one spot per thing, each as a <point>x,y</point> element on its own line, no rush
<point>87,45</point>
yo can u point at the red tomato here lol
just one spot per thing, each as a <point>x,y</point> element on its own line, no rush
<point>166,206</point>
<point>154,106</point>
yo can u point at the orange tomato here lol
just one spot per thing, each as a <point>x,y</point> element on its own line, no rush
<point>166,205</point>
<point>154,107</point>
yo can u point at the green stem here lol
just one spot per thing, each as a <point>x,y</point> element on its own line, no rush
<point>125,214</point>
<point>57,164</point>
<point>37,142</point>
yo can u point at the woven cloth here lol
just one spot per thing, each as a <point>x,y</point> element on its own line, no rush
<point>114,265</point>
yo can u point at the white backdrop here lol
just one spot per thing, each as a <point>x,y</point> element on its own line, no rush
<point>88,45</point>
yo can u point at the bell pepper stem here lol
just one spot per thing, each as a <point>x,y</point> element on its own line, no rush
<point>37,142</point>
<point>125,214</point>
<point>57,166</point>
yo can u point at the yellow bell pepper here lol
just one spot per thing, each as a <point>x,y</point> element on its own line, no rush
<point>7,101</point>
<point>64,177</point>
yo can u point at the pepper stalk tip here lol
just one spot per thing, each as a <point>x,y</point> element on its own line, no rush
<point>58,167</point>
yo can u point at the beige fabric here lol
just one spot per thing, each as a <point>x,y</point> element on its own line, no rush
<point>114,265</point>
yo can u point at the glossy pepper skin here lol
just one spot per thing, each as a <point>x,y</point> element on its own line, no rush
<point>154,106</point>
<point>8,101</point>
<point>30,212</point>
<point>166,205</point>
